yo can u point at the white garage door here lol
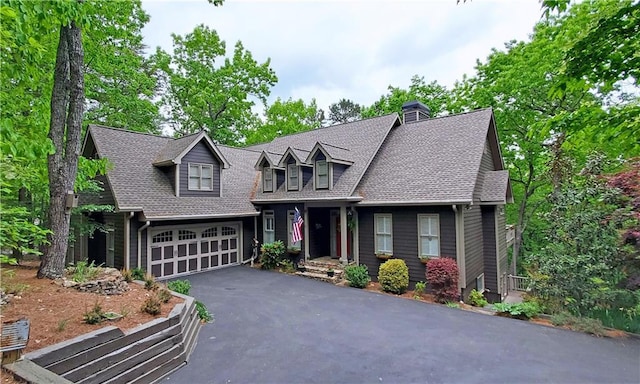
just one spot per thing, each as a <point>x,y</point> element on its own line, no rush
<point>187,249</point>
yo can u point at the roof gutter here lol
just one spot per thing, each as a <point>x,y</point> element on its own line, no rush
<point>303,200</point>
<point>414,203</point>
<point>222,216</point>
<point>145,226</point>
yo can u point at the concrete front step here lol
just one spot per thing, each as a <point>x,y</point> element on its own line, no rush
<point>322,270</point>
<point>319,276</point>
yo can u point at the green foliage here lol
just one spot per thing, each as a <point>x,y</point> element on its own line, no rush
<point>4,259</point>
<point>284,118</point>
<point>286,266</point>
<point>180,286</point>
<point>137,274</point>
<point>522,311</point>
<point>433,95</point>
<point>150,283</point>
<point>209,88</point>
<point>582,265</point>
<point>477,299</point>
<point>442,276</point>
<point>95,315</point>
<point>421,286</point>
<point>84,271</point>
<point>164,295</point>
<point>203,312</point>
<point>62,325</point>
<point>393,276</point>
<point>344,111</point>
<point>580,324</point>
<point>272,254</point>
<point>625,319</point>
<point>152,306</point>
<point>357,275</point>
<point>452,304</point>
<point>127,275</point>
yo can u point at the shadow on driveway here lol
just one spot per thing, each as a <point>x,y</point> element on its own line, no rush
<point>276,328</point>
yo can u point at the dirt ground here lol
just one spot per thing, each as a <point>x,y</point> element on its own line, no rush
<point>56,313</point>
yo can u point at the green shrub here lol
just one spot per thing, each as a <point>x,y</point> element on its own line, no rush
<point>357,275</point>
<point>137,274</point>
<point>84,271</point>
<point>203,312</point>
<point>452,304</point>
<point>164,295</point>
<point>95,315</point>
<point>421,286</point>
<point>442,275</point>
<point>393,276</point>
<point>286,266</point>
<point>580,324</point>
<point>151,306</point>
<point>272,254</point>
<point>127,275</point>
<point>477,299</point>
<point>180,286</point>
<point>150,282</point>
<point>522,311</point>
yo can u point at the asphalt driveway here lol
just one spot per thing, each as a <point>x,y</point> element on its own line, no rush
<point>275,328</point>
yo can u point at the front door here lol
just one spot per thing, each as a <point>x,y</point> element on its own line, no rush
<point>336,238</point>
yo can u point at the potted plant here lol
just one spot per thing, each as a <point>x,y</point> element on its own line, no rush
<point>383,255</point>
<point>424,259</point>
<point>330,272</point>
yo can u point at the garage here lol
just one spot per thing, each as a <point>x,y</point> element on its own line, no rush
<point>181,250</point>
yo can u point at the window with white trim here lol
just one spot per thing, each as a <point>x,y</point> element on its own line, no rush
<point>293,177</point>
<point>428,236</point>
<point>383,233</point>
<point>200,177</point>
<point>268,227</point>
<point>322,174</point>
<point>267,179</point>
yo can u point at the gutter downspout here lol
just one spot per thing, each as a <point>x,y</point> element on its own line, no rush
<point>460,245</point>
<point>127,240</point>
<point>145,226</point>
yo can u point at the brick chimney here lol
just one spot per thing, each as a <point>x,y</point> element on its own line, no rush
<point>414,111</point>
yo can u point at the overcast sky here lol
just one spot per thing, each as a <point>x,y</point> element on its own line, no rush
<point>352,49</point>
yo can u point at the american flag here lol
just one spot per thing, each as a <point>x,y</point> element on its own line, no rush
<point>296,234</point>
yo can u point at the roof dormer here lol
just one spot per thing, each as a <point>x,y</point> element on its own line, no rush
<point>323,156</point>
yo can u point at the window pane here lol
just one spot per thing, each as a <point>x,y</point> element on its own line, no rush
<point>194,171</point>
<point>207,171</point>
<point>321,167</point>
<point>194,183</point>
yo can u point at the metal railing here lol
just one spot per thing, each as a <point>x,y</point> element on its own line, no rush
<point>519,283</point>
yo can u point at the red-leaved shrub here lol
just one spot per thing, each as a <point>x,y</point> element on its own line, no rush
<point>442,276</point>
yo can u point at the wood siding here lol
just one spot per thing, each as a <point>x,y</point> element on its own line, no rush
<point>280,178</point>
<point>489,248</point>
<point>486,165</point>
<point>474,261</point>
<point>502,242</point>
<point>200,154</point>
<point>405,237</point>
<point>280,221</point>
<point>307,175</point>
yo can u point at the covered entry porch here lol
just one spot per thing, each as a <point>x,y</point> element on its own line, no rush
<point>330,231</point>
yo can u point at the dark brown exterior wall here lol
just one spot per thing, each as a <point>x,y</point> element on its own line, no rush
<point>474,260</point>
<point>405,237</point>
<point>280,217</point>
<point>338,170</point>
<point>502,243</point>
<point>202,155</point>
<point>489,243</point>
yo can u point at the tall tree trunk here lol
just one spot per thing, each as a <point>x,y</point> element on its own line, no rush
<point>67,108</point>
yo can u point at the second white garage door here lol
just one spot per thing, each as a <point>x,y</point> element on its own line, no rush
<point>180,250</point>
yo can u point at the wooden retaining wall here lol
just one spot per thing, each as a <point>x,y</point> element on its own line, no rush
<point>142,355</point>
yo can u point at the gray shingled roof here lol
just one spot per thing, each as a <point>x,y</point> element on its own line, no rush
<point>494,187</point>
<point>173,148</point>
<point>431,161</point>
<point>138,184</point>
<point>363,138</point>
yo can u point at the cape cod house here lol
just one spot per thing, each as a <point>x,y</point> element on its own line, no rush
<point>411,186</point>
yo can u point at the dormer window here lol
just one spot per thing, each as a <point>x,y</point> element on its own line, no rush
<point>322,174</point>
<point>267,179</point>
<point>200,177</point>
<point>293,179</point>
